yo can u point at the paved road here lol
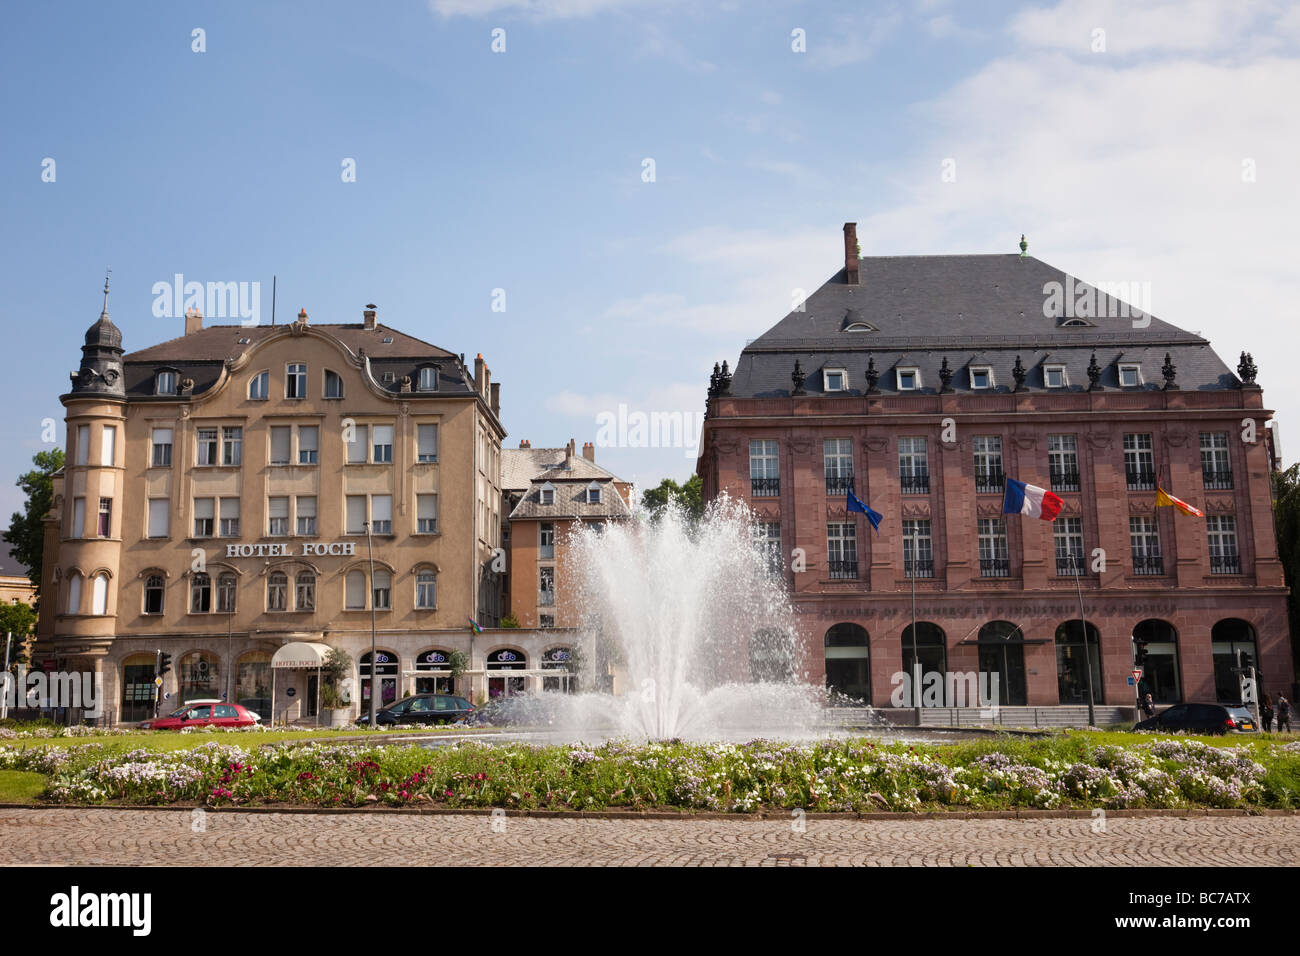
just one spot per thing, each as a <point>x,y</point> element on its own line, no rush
<point>116,837</point>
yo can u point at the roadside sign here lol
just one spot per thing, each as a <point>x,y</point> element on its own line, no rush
<point>1132,681</point>
<point>158,681</point>
<point>1137,674</point>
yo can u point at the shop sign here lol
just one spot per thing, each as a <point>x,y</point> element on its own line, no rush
<point>332,549</point>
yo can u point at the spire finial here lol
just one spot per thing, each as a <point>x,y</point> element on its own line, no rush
<point>107,273</point>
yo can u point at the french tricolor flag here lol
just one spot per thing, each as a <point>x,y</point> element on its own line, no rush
<point>1023,499</point>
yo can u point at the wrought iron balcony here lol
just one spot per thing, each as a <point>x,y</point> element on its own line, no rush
<point>918,568</point>
<point>1225,564</point>
<point>995,567</point>
<point>1217,480</point>
<point>914,484</point>
<point>989,482</point>
<point>844,569</point>
<point>1140,479</point>
<point>764,487</point>
<point>1148,564</point>
<point>1065,479</point>
<point>1069,566</point>
<point>839,484</point>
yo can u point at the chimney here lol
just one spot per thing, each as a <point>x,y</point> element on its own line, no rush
<point>368,317</point>
<point>569,455</point>
<point>525,443</point>
<point>479,366</point>
<point>496,398</point>
<point>851,253</point>
<point>589,451</point>
<point>193,321</point>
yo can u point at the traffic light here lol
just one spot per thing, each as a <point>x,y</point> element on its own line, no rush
<point>1243,660</point>
<point>1139,653</point>
<point>164,663</point>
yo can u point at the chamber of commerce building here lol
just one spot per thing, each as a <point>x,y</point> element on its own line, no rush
<point>225,493</point>
<point>919,384</point>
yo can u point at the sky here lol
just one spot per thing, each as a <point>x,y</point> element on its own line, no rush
<point>605,197</point>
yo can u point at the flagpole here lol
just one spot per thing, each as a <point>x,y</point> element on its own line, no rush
<point>1087,648</point>
<point>916,660</point>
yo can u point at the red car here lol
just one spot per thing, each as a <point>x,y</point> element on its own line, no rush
<point>204,713</point>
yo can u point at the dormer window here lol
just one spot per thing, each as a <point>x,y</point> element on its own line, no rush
<point>164,383</point>
<point>835,380</point>
<point>428,379</point>
<point>1075,323</point>
<point>1130,376</point>
<point>1054,376</point>
<point>859,327</point>
<point>547,495</point>
<point>981,377</point>
<point>593,494</point>
<point>909,379</point>
<point>388,340</point>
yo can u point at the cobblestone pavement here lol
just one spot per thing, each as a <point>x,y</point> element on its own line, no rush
<point>117,837</point>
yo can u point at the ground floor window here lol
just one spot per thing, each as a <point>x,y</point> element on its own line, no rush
<point>503,685</point>
<point>386,670</point>
<point>199,677</point>
<point>560,661</point>
<point>1002,652</point>
<point>137,687</point>
<point>1155,651</point>
<point>1071,664</point>
<point>434,660</point>
<point>253,682</point>
<point>848,664</point>
<point>1228,637</point>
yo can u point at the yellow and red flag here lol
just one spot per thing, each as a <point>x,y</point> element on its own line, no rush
<point>1165,498</point>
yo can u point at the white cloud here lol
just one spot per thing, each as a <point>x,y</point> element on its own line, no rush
<point>539,9</point>
<point>853,38</point>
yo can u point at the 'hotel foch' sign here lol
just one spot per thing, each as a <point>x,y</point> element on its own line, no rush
<point>309,549</point>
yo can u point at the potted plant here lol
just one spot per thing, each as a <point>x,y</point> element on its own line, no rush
<point>457,663</point>
<point>337,707</point>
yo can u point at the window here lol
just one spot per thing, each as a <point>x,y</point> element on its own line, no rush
<point>281,436</point>
<point>308,444</point>
<point>842,549</point>
<point>837,460</point>
<point>277,591</point>
<point>835,380</point>
<point>546,586</point>
<point>304,591</point>
<point>908,379</point>
<point>426,514</point>
<point>333,384</point>
<point>99,594</point>
<point>153,594</point>
<point>1144,539</point>
<point>259,387</point>
<point>763,471</point>
<point>593,494</point>
<point>203,517</point>
<point>159,517</point>
<point>918,548</point>
<point>295,381</point>
<point>356,514</point>
<point>426,590</point>
<point>232,446</point>
<point>206,453</point>
<point>1216,468</point>
<point>277,516</point>
<point>426,437</point>
<point>545,621</point>
<point>547,495</point>
<point>305,507</point>
<point>162,448</point>
<point>74,594</point>
<point>1063,462</point>
<point>164,383</point>
<point>226,588</point>
<point>1224,558</point>
<point>108,446</point>
<point>428,379</point>
<point>1130,375</point>
<point>545,539</point>
<point>78,517</point>
<point>200,594</point>
<point>105,528</point>
<point>383,444</point>
<point>988,463</point>
<point>1067,535</point>
<point>1054,376</point>
<point>913,466</point>
<point>381,514</point>
<point>1139,463</point>
<point>994,559</point>
<point>357,444</point>
<point>354,586</point>
<point>83,444</point>
<point>229,511</point>
<point>383,590</point>
<point>768,534</point>
<point>981,377</point>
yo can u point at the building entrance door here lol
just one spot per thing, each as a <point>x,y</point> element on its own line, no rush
<point>1002,652</point>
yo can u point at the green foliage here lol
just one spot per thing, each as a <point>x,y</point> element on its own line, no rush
<point>26,533</point>
<point>689,497</point>
<point>457,663</point>
<point>1286,516</point>
<point>17,786</point>
<point>509,620</point>
<point>19,620</point>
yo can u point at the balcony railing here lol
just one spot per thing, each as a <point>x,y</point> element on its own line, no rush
<point>995,567</point>
<point>1225,564</point>
<point>914,484</point>
<point>1216,480</point>
<point>1069,566</point>
<point>764,487</point>
<point>839,484</point>
<point>1140,479</point>
<point>1148,564</point>
<point>1065,479</point>
<point>989,482</point>
<point>918,568</point>
<point>844,569</point>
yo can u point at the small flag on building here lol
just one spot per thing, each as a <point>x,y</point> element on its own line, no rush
<point>1023,499</point>
<point>857,504</point>
<point>1164,498</point>
<point>474,624</point>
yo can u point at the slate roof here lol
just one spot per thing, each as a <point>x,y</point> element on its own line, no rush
<point>525,470</point>
<point>10,567</point>
<point>973,310</point>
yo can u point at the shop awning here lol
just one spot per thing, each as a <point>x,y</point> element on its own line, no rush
<point>300,655</point>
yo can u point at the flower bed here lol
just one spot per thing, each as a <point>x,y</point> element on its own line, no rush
<point>833,776</point>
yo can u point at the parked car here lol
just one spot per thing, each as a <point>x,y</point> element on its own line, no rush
<point>520,710</point>
<point>1202,719</point>
<point>204,713</point>
<point>421,709</point>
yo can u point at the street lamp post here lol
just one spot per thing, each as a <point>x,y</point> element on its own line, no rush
<point>916,658</point>
<point>370,550</point>
<point>1087,650</point>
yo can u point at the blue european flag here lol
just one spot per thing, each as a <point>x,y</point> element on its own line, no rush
<point>857,504</point>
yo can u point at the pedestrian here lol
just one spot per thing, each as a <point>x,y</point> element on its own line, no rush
<point>1283,714</point>
<point>1266,713</point>
<point>1148,706</point>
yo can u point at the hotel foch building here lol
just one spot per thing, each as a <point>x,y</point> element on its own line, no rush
<point>215,502</point>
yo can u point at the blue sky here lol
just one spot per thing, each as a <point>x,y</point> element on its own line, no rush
<point>522,171</point>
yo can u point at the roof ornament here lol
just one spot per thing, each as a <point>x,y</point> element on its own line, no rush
<point>107,273</point>
<point>1024,246</point>
<point>713,379</point>
<point>724,380</point>
<point>1094,374</point>
<point>872,375</point>
<point>1019,374</point>
<point>1246,369</point>
<point>945,376</point>
<point>1170,371</point>
<point>797,377</point>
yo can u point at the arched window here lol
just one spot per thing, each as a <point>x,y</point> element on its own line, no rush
<point>383,590</point>
<point>562,662</point>
<point>305,592</point>
<point>1156,652</point>
<point>1228,638</point>
<point>1071,666</point>
<point>428,379</point>
<point>931,649</point>
<point>333,384</point>
<point>848,664</point>
<point>277,591</point>
<point>74,593</point>
<point>506,659</point>
<point>386,670</point>
<point>354,586</point>
<point>259,387</point>
<point>164,383</point>
<point>426,590</point>
<point>434,660</point>
<point>227,586</point>
<point>198,676</point>
<point>200,594</point>
<point>99,594</point>
<point>154,588</point>
<point>1002,652</point>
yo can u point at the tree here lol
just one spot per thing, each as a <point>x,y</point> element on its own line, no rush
<point>19,620</point>
<point>689,497</point>
<point>26,532</point>
<point>1286,515</point>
